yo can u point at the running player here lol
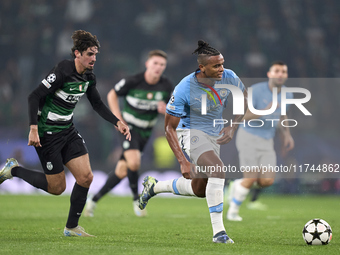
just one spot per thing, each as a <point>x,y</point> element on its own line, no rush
<point>188,130</point>
<point>144,95</point>
<point>255,145</point>
<point>53,134</point>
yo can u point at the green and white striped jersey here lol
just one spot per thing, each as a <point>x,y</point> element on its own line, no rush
<point>140,101</point>
<point>66,88</point>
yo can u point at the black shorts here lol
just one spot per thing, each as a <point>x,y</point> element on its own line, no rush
<point>59,148</point>
<point>137,142</point>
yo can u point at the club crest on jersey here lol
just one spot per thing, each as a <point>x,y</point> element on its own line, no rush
<point>158,96</point>
<point>223,92</point>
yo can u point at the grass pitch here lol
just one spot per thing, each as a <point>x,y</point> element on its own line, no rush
<point>34,225</point>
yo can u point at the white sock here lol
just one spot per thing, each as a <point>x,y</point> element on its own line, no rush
<point>180,186</point>
<point>214,196</point>
<point>239,195</point>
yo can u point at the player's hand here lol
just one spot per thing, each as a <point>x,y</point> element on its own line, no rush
<point>227,134</point>
<point>186,170</point>
<point>161,107</point>
<point>33,137</point>
<point>124,129</point>
<point>287,144</point>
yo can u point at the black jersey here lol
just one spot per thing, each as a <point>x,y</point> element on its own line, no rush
<point>59,93</point>
<point>141,99</point>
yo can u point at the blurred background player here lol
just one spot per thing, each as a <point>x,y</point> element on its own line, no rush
<point>145,95</point>
<point>53,134</point>
<point>188,130</point>
<point>255,145</point>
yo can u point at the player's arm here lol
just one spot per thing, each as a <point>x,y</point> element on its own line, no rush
<point>98,105</point>
<point>113,101</point>
<point>229,131</point>
<point>287,139</point>
<point>48,86</point>
<point>171,123</point>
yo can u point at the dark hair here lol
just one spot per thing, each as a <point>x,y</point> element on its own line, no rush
<point>203,51</point>
<point>83,40</point>
<point>158,53</point>
<point>277,62</point>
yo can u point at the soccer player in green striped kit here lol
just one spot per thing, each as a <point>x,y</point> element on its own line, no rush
<point>52,131</point>
<point>145,96</point>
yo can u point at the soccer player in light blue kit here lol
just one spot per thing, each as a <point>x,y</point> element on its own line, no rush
<point>255,145</point>
<point>188,130</point>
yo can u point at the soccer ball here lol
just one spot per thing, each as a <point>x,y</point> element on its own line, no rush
<point>317,232</point>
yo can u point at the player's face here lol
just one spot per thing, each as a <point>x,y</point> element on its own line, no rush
<point>87,58</point>
<point>278,74</point>
<point>214,67</point>
<point>156,66</point>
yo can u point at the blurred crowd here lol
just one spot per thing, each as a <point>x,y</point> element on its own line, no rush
<point>36,34</point>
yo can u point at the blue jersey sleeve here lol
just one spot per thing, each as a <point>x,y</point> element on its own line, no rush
<point>175,106</point>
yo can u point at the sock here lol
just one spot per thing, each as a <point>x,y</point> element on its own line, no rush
<point>111,182</point>
<point>240,194</point>
<point>180,186</point>
<point>35,178</point>
<point>214,196</point>
<point>133,180</point>
<point>78,200</point>
<point>255,195</point>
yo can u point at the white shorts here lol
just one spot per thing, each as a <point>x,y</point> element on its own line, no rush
<point>195,142</point>
<point>254,151</point>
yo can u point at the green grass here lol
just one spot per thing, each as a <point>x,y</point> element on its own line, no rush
<point>34,225</point>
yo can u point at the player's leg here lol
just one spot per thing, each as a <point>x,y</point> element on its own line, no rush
<point>35,178</point>
<point>112,181</point>
<point>246,146</point>
<point>76,159</point>
<point>81,170</point>
<point>214,194</point>
<point>133,161</point>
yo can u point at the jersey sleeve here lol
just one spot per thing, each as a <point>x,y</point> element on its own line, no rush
<point>234,80</point>
<point>175,106</point>
<point>53,81</point>
<point>124,85</point>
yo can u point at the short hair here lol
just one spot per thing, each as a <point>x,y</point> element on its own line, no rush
<point>158,53</point>
<point>82,40</point>
<point>204,51</point>
<point>277,62</point>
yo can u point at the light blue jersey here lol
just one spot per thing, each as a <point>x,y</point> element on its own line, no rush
<point>186,102</point>
<point>262,97</point>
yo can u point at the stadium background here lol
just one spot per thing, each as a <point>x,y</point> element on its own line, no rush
<point>35,35</point>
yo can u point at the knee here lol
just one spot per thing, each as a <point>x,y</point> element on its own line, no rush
<point>266,182</point>
<point>57,189</point>
<point>199,187</point>
<point>133,165</point>
<point>85,180</point>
